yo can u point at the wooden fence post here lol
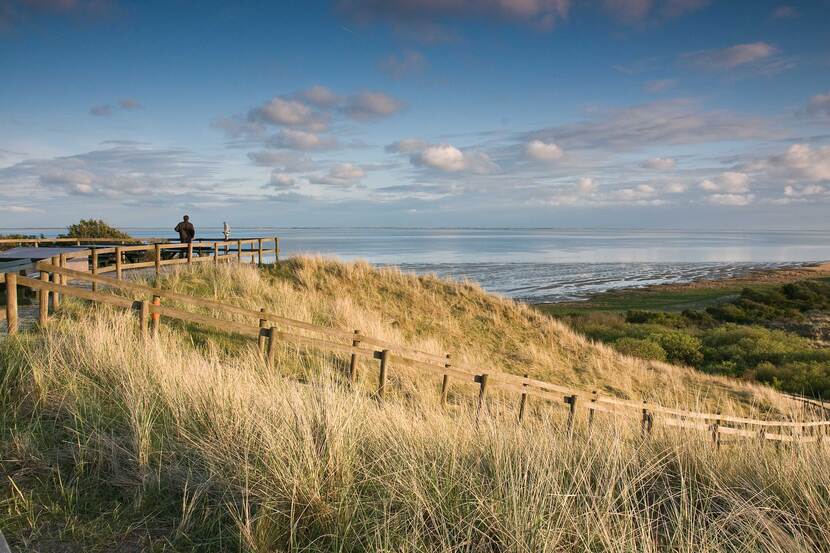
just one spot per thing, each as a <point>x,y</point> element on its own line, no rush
<point>189,253</point>
<point>43,306</point>
<point>523,402</point>
<point>261,337</point>
<point>272,345</point>
<point>156,316</point>
<point>118,269</point>
<point>259,245</point>
<point>157,259</point>
<point>384,359</point>
<point>276,249</point>
<point>571,401</point>
<point>94,268</point>
<point>56,278</point>
<point>646,422</point>
<point>216,253</point>
<point>482,392</point>
<point>594,398</point>
<point>353,358</point>
<point>144,318</point>
<point>11,303</point>
<point>445,383</point>
<point>239,251</point>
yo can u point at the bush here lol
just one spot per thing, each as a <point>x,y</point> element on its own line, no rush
<point>642,348</point>
<point>91,228</point>
<point>681,348</point>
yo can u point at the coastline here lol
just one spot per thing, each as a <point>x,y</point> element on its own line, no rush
<point>690,295</point>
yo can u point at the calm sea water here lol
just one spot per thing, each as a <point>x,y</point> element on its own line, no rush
<point>541,265</point>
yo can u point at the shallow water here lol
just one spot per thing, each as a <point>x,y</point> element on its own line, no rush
<point>541,265</point>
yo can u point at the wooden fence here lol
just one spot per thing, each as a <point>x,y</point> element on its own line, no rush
<point>270,329</point>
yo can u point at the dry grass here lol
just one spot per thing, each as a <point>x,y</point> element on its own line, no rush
<point>480,329</point>
<point>110,443</point>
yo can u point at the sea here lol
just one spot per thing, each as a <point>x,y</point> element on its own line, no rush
<point>541,265</point>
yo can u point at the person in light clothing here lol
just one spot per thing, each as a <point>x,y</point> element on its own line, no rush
<point>226,230</point>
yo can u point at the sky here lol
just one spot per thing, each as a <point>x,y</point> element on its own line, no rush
<point>684,114</point>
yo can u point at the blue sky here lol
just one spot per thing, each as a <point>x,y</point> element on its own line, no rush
<point>553,113</point>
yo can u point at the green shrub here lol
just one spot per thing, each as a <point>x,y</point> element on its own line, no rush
<point>642,348</point>
<point>91,228</point>
<point>681,348</point>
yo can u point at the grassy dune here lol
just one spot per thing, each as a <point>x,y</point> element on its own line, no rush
<point>189,443</point>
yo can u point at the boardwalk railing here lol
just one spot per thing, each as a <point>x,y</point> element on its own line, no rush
<point>270,330</point>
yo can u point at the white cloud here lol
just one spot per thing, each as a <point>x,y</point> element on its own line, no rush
<point>292,113</point>
<point>406,146</point>
<point>342,174</point>
<point>738,200</point>
<point>807,190</point>
<point>319,96</point>
<point>294,139</point>
<point>447,157</point>
<point>801,162</point>
<point>371,105</point>
<point>543,151</point>
<point>659,163</point>
<point>731,182</point>
<point>281,181</point>
<point>674,188</point>
<point>586,185</point>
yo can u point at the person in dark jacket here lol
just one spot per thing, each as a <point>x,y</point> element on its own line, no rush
<point>186,230</point>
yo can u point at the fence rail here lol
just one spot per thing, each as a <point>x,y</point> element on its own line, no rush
<point>270,329</point>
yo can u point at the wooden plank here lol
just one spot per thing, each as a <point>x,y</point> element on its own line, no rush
<point>11,303</point>
<point>76,292</point>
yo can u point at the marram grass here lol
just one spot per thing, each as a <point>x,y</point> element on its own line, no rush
<point>189,444</point>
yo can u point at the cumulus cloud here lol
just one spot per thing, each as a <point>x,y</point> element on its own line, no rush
<point>294,139</point>
<point>371,105</point>
<point>291,113</point>
<point>586,192</point>
<point>319,96</point>
<point>760,57</point>
<point>406,146</point>
<point>674,188</point>
<point>281,181</point>
<point>659,163</point>
<point>342,174</point>
<point>448,158</point>
<point>405,64</point>
<point>543,151</point>
<point>737,200</point>
<point>801,162</point>
<point>731,182</point>
<point>586,185</point>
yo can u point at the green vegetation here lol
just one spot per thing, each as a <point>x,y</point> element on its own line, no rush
<point>91,228</point>
<point>184,443</point>
<point>772,334</point>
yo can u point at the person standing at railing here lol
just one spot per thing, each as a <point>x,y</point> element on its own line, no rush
<point>226,230</point>
<point>186,230</point>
